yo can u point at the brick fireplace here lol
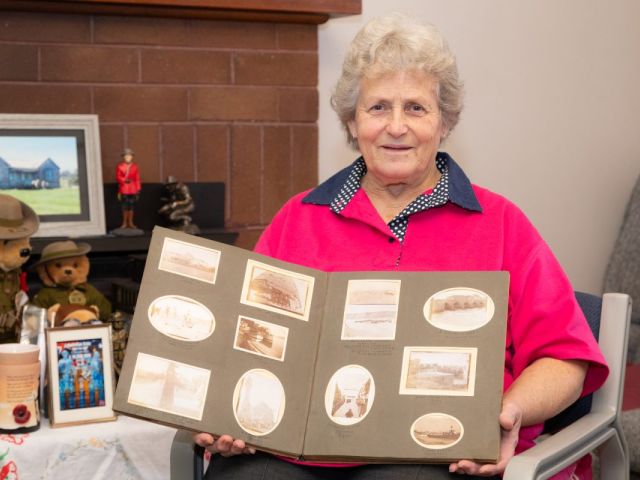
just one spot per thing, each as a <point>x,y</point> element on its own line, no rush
<point>230,98</point>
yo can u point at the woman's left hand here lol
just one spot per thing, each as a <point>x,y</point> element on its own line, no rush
<point>510,421</point>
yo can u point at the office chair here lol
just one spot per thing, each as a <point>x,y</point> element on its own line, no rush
<point>591,422</point>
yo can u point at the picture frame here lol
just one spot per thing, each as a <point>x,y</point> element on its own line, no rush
<point>53,164</point>
<point>80,374</point>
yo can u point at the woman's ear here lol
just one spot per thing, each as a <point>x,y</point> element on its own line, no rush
<point>353,130</point>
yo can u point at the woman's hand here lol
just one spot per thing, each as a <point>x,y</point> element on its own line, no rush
<point>510,422</point>
<point>225,445</point>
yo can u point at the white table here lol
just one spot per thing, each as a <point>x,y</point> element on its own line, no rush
<point>126,449</point>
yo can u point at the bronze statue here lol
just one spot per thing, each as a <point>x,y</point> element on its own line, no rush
<point>178,204</point>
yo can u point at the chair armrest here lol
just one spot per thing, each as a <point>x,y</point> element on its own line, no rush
<point>562,448</point>
<point>181,461</point>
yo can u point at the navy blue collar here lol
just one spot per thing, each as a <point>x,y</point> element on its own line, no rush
<point>460,191</point>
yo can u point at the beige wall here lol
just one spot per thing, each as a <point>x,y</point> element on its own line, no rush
<point>552,115</point>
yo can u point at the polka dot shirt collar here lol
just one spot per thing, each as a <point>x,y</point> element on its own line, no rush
<point>398,225</point>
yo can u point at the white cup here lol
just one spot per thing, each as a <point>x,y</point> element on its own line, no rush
<point>19,379</point>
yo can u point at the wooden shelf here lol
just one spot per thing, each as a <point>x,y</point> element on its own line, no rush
<point>113,258</point>
<point>287,11</point>
<point>109,244</point>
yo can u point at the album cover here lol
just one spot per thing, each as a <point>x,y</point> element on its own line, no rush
<point>380,366</point>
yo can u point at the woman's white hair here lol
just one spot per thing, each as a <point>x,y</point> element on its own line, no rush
<point>392,43</point>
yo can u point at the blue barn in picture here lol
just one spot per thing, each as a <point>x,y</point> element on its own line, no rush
<point>45,175</point>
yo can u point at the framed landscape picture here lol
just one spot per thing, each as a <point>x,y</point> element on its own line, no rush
<point>80,374</point>
<point>52,163</point>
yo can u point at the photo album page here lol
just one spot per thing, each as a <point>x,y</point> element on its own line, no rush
<point>383,366</point>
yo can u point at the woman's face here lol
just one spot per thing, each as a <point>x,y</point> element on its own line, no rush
<point>398,127</point>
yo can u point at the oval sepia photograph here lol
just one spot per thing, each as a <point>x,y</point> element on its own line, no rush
<point>459,309</point>
<point>349,395</point>
<point>181,318</point>
<point>437,431</point>
<point>258,402</point>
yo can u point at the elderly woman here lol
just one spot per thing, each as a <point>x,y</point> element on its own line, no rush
<point>404,205</point>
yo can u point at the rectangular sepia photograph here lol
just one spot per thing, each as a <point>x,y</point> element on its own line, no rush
<point>438,371</point>
<point>371,310</point>
<point>169,386</point>
<point>277,290</point>
<point>189,260</point>
<point>261,338</point>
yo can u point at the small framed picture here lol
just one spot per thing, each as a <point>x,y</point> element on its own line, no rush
<point>80,374</point>
<point>56,169</point>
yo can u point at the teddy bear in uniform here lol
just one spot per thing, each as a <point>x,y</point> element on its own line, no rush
<point>63,268</point>
<point>17,223</point>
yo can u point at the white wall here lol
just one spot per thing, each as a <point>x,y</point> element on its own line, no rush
<point>552,111</point>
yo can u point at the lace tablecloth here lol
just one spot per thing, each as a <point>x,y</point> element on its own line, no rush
<point>125,449</point>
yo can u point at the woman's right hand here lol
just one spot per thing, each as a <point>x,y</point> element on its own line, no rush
<point>225,445</point>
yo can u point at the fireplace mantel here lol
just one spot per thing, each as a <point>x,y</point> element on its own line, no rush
<point>287,11</point>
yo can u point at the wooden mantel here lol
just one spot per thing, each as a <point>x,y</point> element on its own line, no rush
<point>288,11</point>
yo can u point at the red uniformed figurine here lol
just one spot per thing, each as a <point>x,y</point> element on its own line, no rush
<point>128,178</point>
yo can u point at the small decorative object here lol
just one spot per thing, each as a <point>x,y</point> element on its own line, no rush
<point>128,177</point>
<point>17,223</point>
<point>80,374</point>
<point>19,378</point>
<point>73,315</point>
<point>34,322</point>
<point>120,322</point>
<point>178,204</point>
<point>63,268</point>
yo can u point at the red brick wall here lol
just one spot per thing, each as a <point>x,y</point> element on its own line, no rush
<point>200,100</point>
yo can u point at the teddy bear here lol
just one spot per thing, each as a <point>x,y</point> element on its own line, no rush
<point>18,222</point>
<point>72,315</point>
<point>63,268</point>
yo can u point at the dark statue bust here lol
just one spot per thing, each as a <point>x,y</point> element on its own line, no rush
<point>177,205</point>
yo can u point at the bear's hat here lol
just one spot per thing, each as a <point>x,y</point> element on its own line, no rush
<point>62,249</point>
<point>17,219</point>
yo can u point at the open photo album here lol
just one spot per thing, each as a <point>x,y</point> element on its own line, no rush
<point>381,366</point>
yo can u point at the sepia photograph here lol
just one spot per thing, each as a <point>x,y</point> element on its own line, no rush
<point>169,386</point>
<point>438,371</point>
<point>258,402</point>
<point>189,260</point>
<point>437,431</point>
<point>261,338</point>
<point>277,290</point>
<point>181,318</point>
<point>349,395</point>
<point>459,309</point>
<point>371,310</point>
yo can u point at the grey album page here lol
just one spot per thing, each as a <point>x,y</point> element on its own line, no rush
<point>410,367</point>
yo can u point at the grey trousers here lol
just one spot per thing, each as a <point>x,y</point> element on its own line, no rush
<point>263,466</point>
